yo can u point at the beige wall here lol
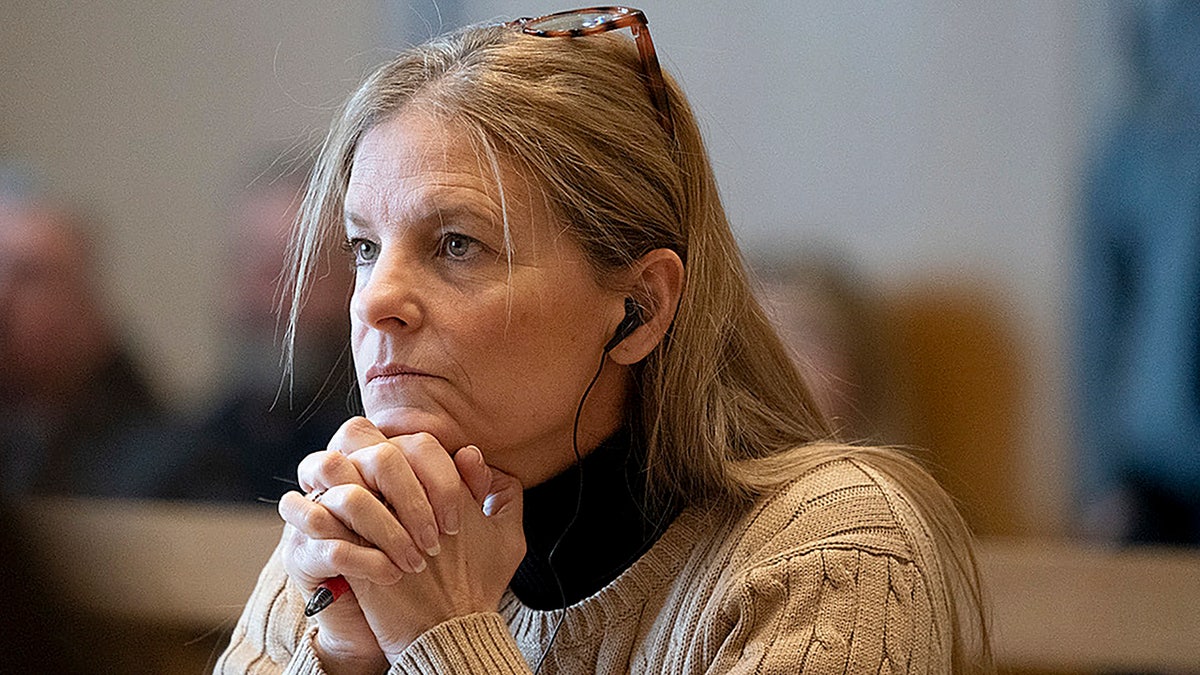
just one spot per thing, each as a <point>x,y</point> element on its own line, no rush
<point>149,110</point>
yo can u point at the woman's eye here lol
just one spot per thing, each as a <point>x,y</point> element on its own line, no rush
<point>456,245</point>
<point>364,250</point>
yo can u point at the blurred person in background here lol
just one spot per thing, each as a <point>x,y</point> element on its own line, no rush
<point>69,391</point>
<point>77,414</point>
<point>1138,360</point>
<point>262,422</point>
<point>827,316</point>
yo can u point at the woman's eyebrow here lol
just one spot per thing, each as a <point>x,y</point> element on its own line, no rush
<point>354,220</point>
<point>485,216</point>
<point>486,212</point>
<point>453,201</point>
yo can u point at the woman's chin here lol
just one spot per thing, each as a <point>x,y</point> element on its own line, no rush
<point>405,421</point>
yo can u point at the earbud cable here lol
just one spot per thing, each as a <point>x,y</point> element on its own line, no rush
<point>562,594</point>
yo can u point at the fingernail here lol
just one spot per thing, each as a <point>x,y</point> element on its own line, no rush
<point>429,540</point>
<point>416,561</point>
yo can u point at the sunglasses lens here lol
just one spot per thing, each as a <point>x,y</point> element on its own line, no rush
<point>572,21</point>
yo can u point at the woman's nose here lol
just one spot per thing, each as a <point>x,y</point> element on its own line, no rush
<point>386,295</point>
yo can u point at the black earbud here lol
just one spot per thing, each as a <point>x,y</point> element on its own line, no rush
<point>633,319</point>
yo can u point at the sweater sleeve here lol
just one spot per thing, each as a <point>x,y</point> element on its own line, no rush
<point>272,636</point>
<point>476,643</point>
<point>830,610</point>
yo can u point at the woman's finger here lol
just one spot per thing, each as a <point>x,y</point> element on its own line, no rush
<point>326,468</point>
<point>312,519</point>
<point>311,561</point>
<point>329,467</point>
<point>506,499</point>
<point>363,513</point>
<point>439,476</point>
<point>351,513</point>
<point>354,434</point>
<point>474,471</point>
<point>386,469</point>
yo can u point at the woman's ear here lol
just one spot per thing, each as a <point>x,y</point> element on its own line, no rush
<point>656,284</point>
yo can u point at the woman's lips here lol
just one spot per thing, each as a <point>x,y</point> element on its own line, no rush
<point>389,371</point>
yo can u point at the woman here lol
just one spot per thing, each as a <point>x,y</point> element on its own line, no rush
<point>584,448</point>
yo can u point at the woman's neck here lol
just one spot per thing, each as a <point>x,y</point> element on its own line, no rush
<point>586,525</point>
<point>608,407</point>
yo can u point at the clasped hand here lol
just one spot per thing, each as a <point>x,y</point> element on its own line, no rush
<point>421,535</point>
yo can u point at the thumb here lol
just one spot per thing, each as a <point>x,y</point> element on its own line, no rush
<point>506,497</point>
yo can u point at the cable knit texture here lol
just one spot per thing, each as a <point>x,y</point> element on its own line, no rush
<point>832,574</point>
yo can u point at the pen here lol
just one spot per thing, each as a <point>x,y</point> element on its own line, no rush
<point>326,593</point>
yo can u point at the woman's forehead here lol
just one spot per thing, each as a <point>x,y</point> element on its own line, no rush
<point>420,162</point>
<point>419,144</point>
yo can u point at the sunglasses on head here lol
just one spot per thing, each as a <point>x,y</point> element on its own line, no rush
<point>593,20</point>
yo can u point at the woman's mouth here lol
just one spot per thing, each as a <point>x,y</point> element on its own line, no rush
<point>380,373</point>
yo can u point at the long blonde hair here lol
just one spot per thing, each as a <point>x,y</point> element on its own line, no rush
<point>725,414</point>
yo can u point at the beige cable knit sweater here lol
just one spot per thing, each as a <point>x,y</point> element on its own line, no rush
<point>835,573</point>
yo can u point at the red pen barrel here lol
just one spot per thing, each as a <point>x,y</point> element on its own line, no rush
<point>325,595</point>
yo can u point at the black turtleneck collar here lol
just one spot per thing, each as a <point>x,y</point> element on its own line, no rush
<point>614,527</point>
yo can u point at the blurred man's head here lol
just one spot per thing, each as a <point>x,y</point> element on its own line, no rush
<point>53,331</point>
<point>825,314</point>
<point>261,220</point>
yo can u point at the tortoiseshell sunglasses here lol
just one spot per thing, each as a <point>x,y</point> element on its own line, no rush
<point>593,20</point>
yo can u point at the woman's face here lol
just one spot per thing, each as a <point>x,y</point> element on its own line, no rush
<point>453,336</point>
